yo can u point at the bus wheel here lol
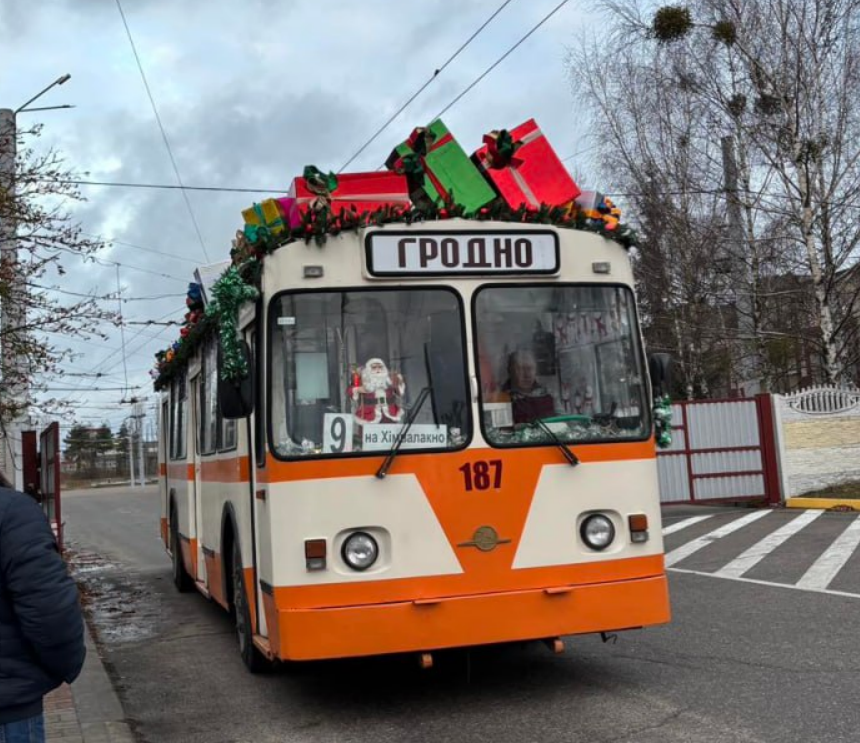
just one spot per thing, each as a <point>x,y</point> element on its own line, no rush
<point>181,579</point>
<point>255,661</point>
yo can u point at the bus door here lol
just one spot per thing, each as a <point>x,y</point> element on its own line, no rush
<point>163,459</point>
<point>256,452</point>
<point>196,515</point>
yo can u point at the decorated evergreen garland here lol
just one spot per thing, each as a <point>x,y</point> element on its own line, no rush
<point>229,293</point>
<point>663,422</point>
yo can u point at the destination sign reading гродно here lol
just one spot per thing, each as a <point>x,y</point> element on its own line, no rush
<point>462,253</point>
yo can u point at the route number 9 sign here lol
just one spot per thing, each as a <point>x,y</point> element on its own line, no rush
<point>337,433</point>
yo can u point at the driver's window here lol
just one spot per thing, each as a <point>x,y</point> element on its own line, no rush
<point>564,359</point>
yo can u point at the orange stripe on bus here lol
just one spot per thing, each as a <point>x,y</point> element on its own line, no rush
<point>315,469</point>
<point>162,469</point>
<point>180,471</point>
<point>234,469</point>
<point>476,582</point>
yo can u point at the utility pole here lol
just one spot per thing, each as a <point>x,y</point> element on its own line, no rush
<point>140,415</point>
<point>131,453</point>
<point>14,376</point>
<point>747,368</point>
<point>11,316</point>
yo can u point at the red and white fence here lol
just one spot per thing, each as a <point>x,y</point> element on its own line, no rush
<point>722,450</point>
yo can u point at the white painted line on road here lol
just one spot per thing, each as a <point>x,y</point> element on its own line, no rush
<point>755,554</point>
<point>684,524</point>
<point>695,545</point>
<point>825,568</point>
<point>826,591</point>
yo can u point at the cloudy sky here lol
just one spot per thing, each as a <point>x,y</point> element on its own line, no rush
<point>249,92</point>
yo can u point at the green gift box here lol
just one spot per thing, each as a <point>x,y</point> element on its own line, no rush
<point>439,170</point>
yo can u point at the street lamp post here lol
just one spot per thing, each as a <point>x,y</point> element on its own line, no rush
<point>14,384</point>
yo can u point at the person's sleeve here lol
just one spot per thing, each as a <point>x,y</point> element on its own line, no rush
<point>43,594</point>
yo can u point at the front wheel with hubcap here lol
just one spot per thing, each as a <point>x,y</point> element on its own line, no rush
<point>255,661</point>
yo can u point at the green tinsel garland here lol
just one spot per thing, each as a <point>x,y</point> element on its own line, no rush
<point>663,422</point>
<point>228,294</point>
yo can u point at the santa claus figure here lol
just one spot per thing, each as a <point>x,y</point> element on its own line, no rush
<point>377,392</point>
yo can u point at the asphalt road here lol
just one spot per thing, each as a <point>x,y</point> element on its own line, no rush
<point>741,661</point>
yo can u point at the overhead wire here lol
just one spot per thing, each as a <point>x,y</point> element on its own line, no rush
<point>502,58</point>
<point>114,241</point>
<point>681,192</point>
<point>109,262</point>
<point>161,186</point>
<point>161,128</point>
<point>420,90</point>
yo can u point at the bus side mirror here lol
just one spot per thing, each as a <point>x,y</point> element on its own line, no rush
<point>660,369</point>
<point>236,398</point>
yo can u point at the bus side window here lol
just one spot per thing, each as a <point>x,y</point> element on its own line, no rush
<point>208,433</point>
<point>177,417</point>
<point>222,430</point>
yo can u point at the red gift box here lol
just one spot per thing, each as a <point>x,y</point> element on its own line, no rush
<point>524,168</point>
<point>364,191</point>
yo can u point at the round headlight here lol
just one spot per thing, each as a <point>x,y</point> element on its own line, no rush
<point>597,531</point>
<point>360,550</point>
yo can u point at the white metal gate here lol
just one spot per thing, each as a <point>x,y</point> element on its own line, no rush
<point>721,450</point>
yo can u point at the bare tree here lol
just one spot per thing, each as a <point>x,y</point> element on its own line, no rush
<point>657,147</point>
<point>787,75</point>
<point>37,231</point>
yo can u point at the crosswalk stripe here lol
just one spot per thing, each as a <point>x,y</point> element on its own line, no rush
<point>694,545</point>
<point>825,568</point>
<point>789,586</point>
<point>741,564</point>
<point>684,524</point>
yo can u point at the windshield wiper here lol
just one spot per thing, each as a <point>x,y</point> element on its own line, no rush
<point>571,458</point>
<point>383,469</point>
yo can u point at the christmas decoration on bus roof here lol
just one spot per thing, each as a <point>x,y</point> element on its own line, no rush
<point>515,176</point>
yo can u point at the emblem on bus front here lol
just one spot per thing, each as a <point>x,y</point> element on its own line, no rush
<point>486,539</point>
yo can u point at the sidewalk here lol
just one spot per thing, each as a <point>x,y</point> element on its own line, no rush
<point>89,710</point>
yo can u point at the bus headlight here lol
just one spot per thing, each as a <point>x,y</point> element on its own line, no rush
<point>597,531</point>
<point>360,550</point>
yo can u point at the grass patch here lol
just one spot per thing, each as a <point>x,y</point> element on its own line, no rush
<point>849,489</point>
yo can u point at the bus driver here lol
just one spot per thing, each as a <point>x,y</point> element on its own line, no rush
<point>529,398</point>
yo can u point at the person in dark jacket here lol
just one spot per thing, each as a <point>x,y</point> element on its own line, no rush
<point>41,625</point>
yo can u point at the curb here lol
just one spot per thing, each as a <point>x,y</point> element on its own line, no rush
<point>96,702</point>
<point>842,504</point>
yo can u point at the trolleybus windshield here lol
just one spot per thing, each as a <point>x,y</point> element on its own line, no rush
<point>347,368</point>
<point>559,363</point>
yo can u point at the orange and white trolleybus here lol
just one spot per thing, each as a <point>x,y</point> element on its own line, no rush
<point>445,439</point>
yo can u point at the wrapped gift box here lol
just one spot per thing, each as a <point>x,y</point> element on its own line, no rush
<point>438,169</point>
<point>594,205</point>
<point>268,213</point>
<point>524,168</point>
<point>352,191</point>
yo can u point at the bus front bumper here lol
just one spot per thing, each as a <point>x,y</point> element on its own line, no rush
<point>461,621</point>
